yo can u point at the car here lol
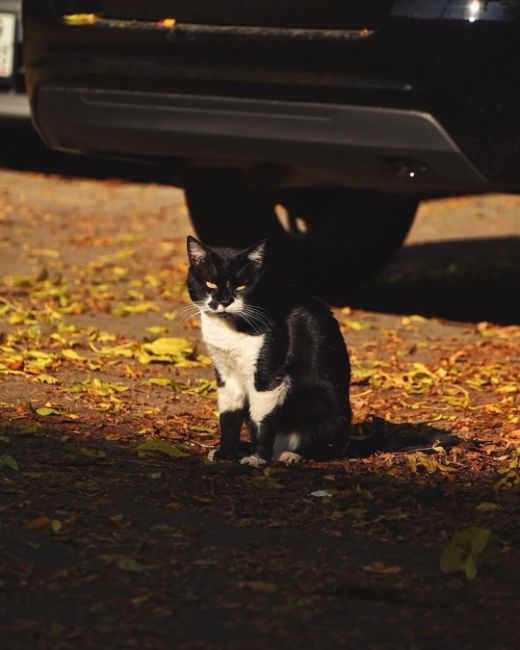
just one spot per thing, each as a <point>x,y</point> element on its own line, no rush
<point>13,101</point>
<point>320,125</point>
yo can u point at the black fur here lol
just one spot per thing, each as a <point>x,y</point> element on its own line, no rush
<point>302,342</point>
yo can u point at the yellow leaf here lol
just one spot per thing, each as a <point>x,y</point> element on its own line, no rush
<point>139,308</point>
<point>159,381</point>
<point>46,379</point>
<point>486,506</point>
<point>167,349</point>
<point>72,355</point>
<point>47,410</point>
<point>355,325</point>
<point>168,346</point>
<point>56,525</point>
<point>407,320</point>
<point>157,329</point>
<point>126,350</point>
<point>508,388</point>
<point>466,549</point>
<point>8,461</point>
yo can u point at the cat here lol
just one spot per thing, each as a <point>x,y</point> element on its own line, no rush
<point>280,360</point>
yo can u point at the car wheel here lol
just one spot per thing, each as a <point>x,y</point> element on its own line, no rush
<point>326,240</point>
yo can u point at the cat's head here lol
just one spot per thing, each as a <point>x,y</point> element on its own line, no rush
<point>220,280</point>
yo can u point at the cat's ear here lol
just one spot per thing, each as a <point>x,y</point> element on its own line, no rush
<point>257,253</point>
<point>197,252</point>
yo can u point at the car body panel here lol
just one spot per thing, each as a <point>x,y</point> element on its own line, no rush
<point>456,63</point>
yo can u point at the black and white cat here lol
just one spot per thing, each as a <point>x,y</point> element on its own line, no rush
<point>280,360</point>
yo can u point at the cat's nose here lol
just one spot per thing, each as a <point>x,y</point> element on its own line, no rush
<point>225,302</point>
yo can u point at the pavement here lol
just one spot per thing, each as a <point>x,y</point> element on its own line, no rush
<point>114,530</point>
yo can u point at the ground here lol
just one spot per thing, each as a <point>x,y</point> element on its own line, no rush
<point>114,530</point>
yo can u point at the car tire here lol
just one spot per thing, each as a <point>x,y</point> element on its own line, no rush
<point>327,240</point>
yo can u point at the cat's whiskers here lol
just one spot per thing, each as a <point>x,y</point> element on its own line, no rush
<point>259,313</point>
<point>188,312</point>
<point>256,317</point>
<point>257,324</point>
<point>257,327</point>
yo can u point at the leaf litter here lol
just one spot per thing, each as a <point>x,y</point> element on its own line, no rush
<point>104,383</point>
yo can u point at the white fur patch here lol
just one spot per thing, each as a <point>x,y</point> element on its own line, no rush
<point>261,403</point>
<point>253,461</point>
<point>211,455</point>
<point>257,254</point>
<point>289,458</point>
<point>286,442</point>
<point>235,355</point>
<point>236,306</point>
<point>232,396</point>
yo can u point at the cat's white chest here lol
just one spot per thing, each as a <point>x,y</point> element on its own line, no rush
<point>233,353</point>
<point>235,356</point>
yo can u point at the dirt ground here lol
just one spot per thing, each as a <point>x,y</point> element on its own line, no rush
<point>116,533</point>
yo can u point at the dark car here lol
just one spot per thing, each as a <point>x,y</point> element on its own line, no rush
<point>13,101</point>
<point>317,123</point>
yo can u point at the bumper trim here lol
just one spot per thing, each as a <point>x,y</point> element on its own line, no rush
<point>340,138</point>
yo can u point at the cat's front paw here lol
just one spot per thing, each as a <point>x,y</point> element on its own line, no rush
<point>289,458</point>
<point>253,461</point>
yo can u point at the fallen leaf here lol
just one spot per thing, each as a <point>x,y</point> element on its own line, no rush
<point>38,523</point>
<point>167,349</point>
<point>467,548</point>
<point>56,525</point>
<point>48,410</point>
<point>487,506</point>
<point>159,381</point>
<point>322,493</point>
<point>6,460</point>
<point>139,308</point>
<point>379,567</point>
<point>72,355</point>
<point>85,452</point>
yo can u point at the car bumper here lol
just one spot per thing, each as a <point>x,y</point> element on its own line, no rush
<point>393,149</point>
<point>417,104</point>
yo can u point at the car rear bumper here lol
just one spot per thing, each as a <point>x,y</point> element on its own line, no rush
<point>416,102</point>
<point>394,149</point>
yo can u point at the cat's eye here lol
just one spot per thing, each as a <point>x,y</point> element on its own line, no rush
<point>211,285</point>
<point>240,287</point>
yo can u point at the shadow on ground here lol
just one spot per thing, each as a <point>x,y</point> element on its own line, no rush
<point>156,551</point>
<point>470,280</point>
<point>377,435</point>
